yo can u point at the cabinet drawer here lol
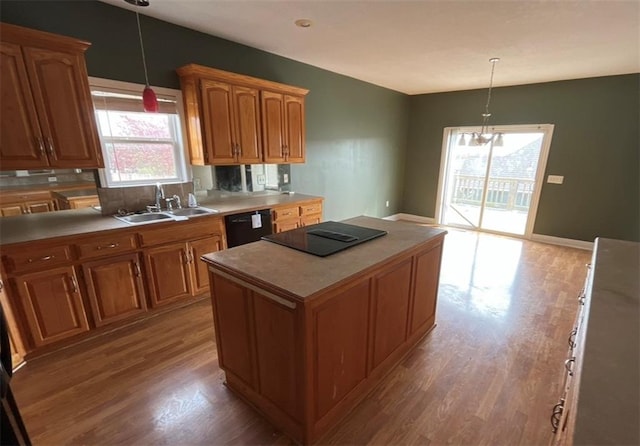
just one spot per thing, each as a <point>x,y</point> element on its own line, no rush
<point>311,208</point>
<point>32,258</point>
<point>286,212</point>
<point>107,245</point>
<point>173,232</point>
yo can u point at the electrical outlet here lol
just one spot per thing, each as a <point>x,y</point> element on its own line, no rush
<point>555,179</point>
<point>196,183</point>
<point>285,178</point>
<point>262,180</point>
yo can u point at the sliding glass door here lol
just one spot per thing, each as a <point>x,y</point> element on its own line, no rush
<point>493,186</point>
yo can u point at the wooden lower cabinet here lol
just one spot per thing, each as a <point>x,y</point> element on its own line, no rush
<point>168,273</point>
<point>391,307</point>
<point>288,217</point>
<point>304,364</point>
<point>115,288</point>
<point>52,304</point>
<point>199,270</point>
<point>27,207</point>
<point>174,271</point>
<point>10,210</point>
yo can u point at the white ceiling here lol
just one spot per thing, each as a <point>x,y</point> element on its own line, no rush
<point>430,45</point>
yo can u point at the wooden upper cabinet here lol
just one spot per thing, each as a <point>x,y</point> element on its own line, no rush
<point>21,141</point>
<point>48,118</point>
<point>294,129</point>
<point>237,119</point>
<point>273,127</point>
<point>232,129</point>
<point>283,124</point>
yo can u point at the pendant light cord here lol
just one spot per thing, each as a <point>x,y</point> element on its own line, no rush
<point>486,115</point>
<point>144,61</point>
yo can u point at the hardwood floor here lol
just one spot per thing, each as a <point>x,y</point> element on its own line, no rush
<point>488,374</point>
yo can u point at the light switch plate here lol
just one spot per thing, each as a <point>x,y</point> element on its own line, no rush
<point>555,179</point>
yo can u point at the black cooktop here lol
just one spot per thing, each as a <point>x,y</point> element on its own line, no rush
<point>325,238</point>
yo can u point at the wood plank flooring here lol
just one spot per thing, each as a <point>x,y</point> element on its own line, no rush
<point>488,374</point>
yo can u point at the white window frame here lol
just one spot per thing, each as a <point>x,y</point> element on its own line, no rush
<point>183,168</point>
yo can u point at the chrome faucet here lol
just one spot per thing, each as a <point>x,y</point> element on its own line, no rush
<point>176,198</point>
<point>159,196</point>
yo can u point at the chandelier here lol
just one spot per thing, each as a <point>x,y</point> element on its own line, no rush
<point>484,136</point>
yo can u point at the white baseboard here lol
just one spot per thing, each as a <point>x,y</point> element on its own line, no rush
<point>580,244</point>
<point>411,217</point>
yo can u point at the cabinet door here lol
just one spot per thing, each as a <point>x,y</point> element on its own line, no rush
<point>273,127</point>
<point>217,122</point>
<point>340,330</point>
<point>21,143</point>
<point>11,209</point>
<point>34,207</point>
<point>426,289</point>
<point>115,288</point>
<point>52,304</point>
<point>247,125</point>
<point>391,310</point>
<point>199,270</point>
<point>294,125</point>
<point>61,92</point>
<point>168,273</point>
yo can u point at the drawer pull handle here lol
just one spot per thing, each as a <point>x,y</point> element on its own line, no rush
<point>74,285</point>
<point>567,365</point>
<point>41,145</point>
<point>50,147</point>
<point>556,415</point>
<point>572,336</point>
<point>109,246</point>
<point>137,267</point>
<point>41,259</point>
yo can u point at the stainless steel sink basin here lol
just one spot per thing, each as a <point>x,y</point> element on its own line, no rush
<point>144,218</point>
<point>193,212</point>
<point>157,217</point>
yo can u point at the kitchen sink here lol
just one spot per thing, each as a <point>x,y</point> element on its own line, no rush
<point>136,219</point>
<point>157,217</point>
<point>193,212</point>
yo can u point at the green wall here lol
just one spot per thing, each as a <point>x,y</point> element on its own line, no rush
<point>356,132</point>
<point>359,135</point>
<point>595,145</point>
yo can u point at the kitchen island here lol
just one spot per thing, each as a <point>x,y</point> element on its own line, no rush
<point>304,338</point>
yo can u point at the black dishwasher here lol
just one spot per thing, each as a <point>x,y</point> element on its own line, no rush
<point>247,227</point>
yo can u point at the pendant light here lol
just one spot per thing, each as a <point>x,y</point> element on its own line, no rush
<point>483,137</point>
<point>149,98</point>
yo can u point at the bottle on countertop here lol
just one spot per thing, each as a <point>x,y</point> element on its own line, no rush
<point>192,202</point>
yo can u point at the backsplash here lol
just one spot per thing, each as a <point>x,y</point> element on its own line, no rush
<point>137,198</point>
<point>11,178</point>
<point>242,178</point>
